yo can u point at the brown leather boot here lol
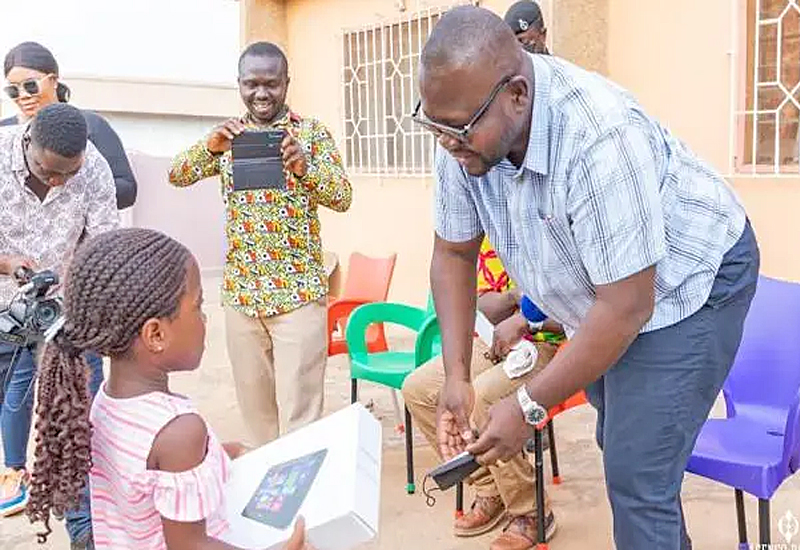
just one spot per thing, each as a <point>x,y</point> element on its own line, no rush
<point>520,533</point>
<point>485,514</point>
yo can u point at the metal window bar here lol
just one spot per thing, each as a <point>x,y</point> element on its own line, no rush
<point>764,89</point>
<point>379,90</point>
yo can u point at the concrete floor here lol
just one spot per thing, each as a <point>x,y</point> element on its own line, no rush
<point>582,511</point>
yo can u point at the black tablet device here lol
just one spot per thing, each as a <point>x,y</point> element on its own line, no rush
<point>257,161</point>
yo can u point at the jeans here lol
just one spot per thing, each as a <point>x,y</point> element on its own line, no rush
<point>17,412</point>
<point>652,404</point>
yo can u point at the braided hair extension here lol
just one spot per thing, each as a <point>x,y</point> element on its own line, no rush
<point>116,282</point>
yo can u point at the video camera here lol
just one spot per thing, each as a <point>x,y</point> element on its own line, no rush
<point>30,312</point>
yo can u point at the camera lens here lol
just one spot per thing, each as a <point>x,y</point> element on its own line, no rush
<point>46,313</point>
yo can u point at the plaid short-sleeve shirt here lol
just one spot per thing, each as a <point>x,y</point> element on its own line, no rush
<point>604,192</point>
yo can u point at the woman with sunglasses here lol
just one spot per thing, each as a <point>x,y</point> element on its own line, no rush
<point>31,74</point>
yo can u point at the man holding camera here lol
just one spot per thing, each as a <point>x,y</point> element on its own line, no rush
<point>275,286</point>
<point>54,186</point>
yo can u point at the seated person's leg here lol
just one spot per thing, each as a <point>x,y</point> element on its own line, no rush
<point>515,478</point>
<point>421,395</point>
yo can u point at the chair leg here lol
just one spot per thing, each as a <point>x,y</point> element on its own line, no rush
<point>741,520</point>
<point>410,487</point>
<point>763,522</point>
<point>551,433</point>
<point>539,466</point>
<point>459,499</point>
<point>353,390</point>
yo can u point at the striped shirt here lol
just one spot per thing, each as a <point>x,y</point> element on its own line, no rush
<point>604,192</point>
<point>128,500</point>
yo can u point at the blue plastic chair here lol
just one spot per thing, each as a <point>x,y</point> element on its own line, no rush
<point>757,446</point>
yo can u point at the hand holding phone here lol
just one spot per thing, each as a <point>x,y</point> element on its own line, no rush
<point>294,159</point>
<point>222,136</point>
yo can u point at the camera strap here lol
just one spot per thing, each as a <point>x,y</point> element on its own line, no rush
<point>54,329</point>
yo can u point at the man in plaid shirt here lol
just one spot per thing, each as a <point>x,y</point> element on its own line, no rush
<point>615,229</point>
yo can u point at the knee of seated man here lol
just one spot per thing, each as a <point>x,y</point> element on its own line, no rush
<point>417,389</point>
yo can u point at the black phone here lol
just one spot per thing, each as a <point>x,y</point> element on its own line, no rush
<point>454,470</point>
<point>258,160</point>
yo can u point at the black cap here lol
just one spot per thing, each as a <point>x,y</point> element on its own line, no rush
<point>523,15</point>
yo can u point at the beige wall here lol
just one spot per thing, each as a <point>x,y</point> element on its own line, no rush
<point>676,57</point>
<point>388,214</point>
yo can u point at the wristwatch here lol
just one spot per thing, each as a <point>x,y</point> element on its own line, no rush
<point>535,326</point>
<point>533,412</point>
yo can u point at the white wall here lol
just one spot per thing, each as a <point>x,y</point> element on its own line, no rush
<point>161,136</point>
<point>194,40</point>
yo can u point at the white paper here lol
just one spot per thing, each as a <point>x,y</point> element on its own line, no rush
<point>484,328</point>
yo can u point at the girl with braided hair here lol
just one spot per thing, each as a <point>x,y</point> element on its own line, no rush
<point>156,469</point>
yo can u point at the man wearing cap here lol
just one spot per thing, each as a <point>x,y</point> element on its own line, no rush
<point>526,20</point>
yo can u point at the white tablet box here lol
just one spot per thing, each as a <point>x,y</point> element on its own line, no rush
<point>341,508</point>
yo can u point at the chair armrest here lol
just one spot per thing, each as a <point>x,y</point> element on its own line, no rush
<point>429,333</point>
<point>379,312</point>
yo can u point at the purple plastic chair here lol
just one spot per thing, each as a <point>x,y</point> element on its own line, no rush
<point>757,446</point>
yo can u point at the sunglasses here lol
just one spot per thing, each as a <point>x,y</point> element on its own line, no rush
<point>460,133</point>
<point>31,86</point>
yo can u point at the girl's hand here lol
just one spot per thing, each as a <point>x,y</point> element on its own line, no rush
<point>235,449</point>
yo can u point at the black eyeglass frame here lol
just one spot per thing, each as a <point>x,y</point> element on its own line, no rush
<point>460,133</point>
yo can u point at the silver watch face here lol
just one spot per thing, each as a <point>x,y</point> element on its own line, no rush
<point>536,415</point>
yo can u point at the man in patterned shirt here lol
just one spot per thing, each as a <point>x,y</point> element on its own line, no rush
<point>274,288</point>
<point>614,228</point>
<point>54,186</point>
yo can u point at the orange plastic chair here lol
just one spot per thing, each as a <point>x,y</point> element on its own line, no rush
<point>367,280</point>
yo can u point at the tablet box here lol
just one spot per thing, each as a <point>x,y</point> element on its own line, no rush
<point>341,507</point>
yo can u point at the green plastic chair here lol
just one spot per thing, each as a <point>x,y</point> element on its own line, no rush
<point>390,368</point>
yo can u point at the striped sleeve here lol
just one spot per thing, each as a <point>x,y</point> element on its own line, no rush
<point>455,214</point>
<point>193,495</point>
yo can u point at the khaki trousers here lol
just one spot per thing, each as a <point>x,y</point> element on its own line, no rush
<point>278,368</point>
<point>514,481</point>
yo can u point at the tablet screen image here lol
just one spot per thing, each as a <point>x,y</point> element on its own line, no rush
<point>283,489</point>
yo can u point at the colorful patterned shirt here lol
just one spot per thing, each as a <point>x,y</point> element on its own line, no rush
<point>48,231</point>
<point>274,259</point>
<point>492,276</point>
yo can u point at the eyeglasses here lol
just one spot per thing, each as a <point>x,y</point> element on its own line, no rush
<point>31,86</point>
<point>460,133</point>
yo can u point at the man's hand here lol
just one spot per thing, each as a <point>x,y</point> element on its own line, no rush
<point>15,266</point>
<point>504,434</point>
<point>507,335</point>
<point>294,159</point>
<point>221,137</point>
<point>456,401</point>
